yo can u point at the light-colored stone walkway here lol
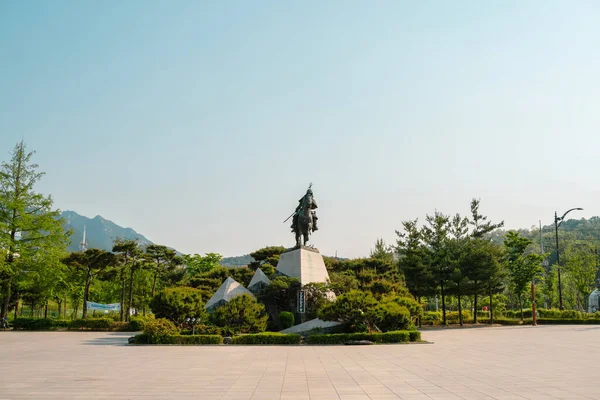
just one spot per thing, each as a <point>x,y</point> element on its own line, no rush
<point>558,362</point>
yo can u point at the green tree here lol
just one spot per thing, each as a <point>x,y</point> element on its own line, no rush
<point>581,269</point>
<point>176,304</point>
<point>266,258</point>
<point>130,258</point>
<point>28,222</point>
<point>482,268</point>
<point>414,260</point>
<point>522,267</point>
<point>382,251</point>
<point>242,314</point>
<point>91,262</point>
<point>435,234</point>
<point>163,260</point>
<point>342,282</point>
<point>196,264</point>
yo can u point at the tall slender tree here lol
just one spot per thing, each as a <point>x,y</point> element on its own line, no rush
<point>130,259</point>
<point>435,234</point>
<point>522,266</point>
<point>28,221</point>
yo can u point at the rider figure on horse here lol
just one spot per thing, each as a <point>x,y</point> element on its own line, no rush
<point>306,204</point>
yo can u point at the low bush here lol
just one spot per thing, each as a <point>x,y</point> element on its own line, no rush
<point>94,324</point>
<point>49,324</point>
<point>159,329</point>
<point>267,338</point>
<point>286,319</point>
<point>506,321</point>
<point>385,337</point>
<point>34,324</point>
<point>568,321</point>
<point>138,323</point>
<point>178,339</point>
<point>204,330</point>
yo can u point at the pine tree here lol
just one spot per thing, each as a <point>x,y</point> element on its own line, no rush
<point>28,223</point>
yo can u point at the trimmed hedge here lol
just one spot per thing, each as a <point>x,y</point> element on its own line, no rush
<point>267,338</point>
<point>49,324</point>
<point>568,321</point>
<point>385,337</point>
<point>178,339</point>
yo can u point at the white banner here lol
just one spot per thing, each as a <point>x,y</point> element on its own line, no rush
<point>103,307</point>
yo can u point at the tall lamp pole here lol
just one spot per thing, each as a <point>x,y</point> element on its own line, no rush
<point>557,222</point>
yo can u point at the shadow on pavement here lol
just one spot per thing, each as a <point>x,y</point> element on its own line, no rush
<point>112,339</point>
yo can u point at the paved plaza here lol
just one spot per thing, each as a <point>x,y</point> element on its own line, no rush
<point>545,362</point>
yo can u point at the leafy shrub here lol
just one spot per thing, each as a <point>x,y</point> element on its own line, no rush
<point>120,326</point>
<point>33,324</point>
<point>178,339</point>
<point>386,337</point>
<point>505,321</point>
<point>241,314</point>
<point>159,329</point>
<point>176,304</point>
<point>204,330</point>
<point>286,319</point>
<point>567,321</point>
<point>95,324</point>
<point>452,316</point>
<point>138,323</point>
<point>432,316</point>
<point>390,316</point>
<point>350,308</point>
<point>267,338</point>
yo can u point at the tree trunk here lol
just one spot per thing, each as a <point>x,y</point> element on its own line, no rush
<point>86,292</point>
<point>154,283</point>
<point>17,305</point>
<point>460,316</point>
<point>46,310</point>
<point>6,294</point>
<point>76,310</point>
<point>443,305</point>
<point>123,280</point>
<point>475,305</point>
<point>521,306</point>
<point>130,305</point>
<point>65,309</point>
<point>32,315</point>
<point>59,303</point>
<point>491,308</point>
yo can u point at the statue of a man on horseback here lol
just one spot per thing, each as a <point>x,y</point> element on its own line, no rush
<point>304,220</point>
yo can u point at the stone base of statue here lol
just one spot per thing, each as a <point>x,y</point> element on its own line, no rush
<point>304,263</point>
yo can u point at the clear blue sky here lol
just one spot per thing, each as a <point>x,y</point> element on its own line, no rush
<point>200,124</point>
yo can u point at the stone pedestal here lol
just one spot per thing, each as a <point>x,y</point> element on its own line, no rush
<point>304,263</point>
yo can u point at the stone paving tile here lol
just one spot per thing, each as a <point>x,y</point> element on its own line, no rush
<point>546,362</point>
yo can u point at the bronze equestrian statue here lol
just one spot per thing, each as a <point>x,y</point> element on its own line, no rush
<point>304,220</point>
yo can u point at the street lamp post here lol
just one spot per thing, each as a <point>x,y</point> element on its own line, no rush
<point>192,322</point>
<point>557,222</point>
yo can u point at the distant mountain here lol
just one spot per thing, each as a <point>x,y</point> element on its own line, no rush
<point>238,261</point>
<point>100,232</point>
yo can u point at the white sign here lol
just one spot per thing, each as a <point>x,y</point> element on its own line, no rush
<point>301,304</point>
<point>103,307</point>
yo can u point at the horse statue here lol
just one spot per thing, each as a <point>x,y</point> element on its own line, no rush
<point>304,220</point>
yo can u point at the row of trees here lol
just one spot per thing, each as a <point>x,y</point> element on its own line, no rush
<point>471,256</point>
<point>463,260</point>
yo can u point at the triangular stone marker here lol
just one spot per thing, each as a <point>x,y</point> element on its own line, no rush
<point>227,291</point>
